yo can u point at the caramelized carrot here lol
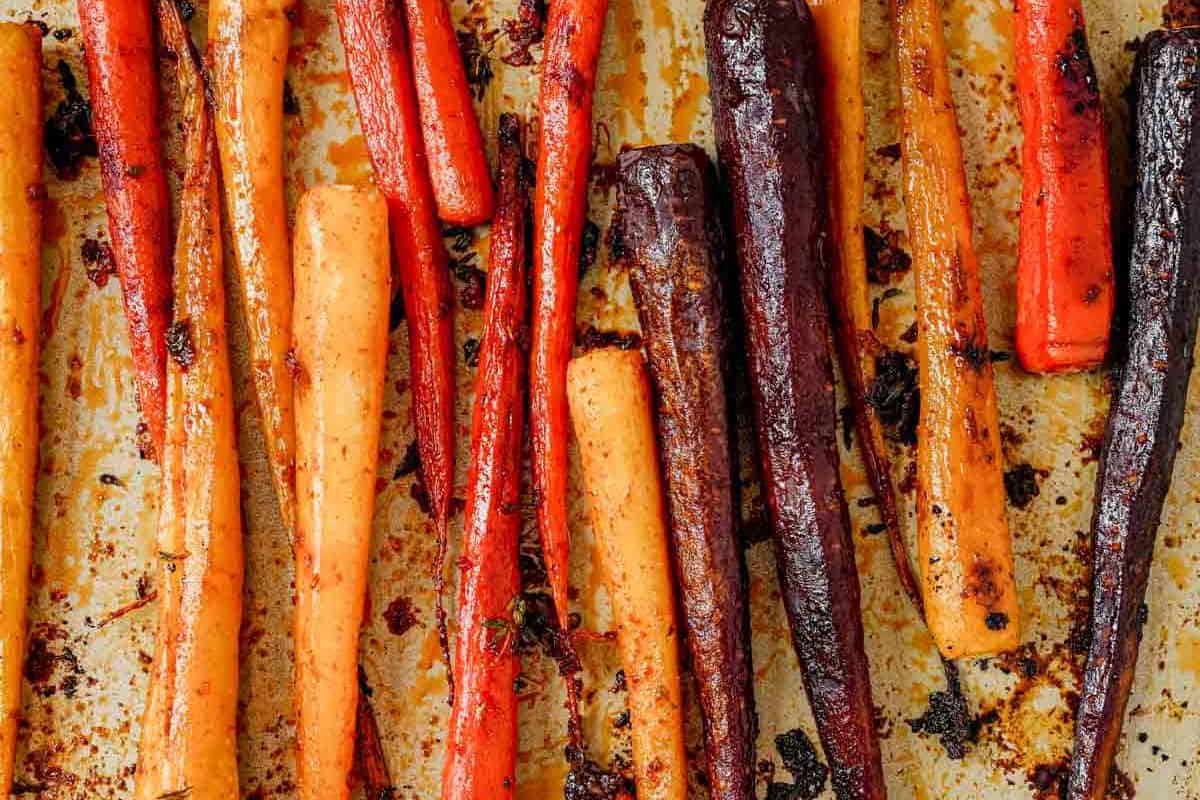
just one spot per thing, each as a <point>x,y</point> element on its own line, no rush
<point>458,166</point>
<point>573,34</point>
<point>122,78</point>
<point>341,320</point>
<point>963,539</point>
<point>381,76</point>
<point>839,47</point>
<point>248,44</point>
<point>481,750</point>
<point>1065,263</point>
<point>20,303</point>
<point>189,731</point>
<point>611,410</point>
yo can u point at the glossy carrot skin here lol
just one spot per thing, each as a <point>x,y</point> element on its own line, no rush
<point>21,195</point>
<point>189,731</point>
<point>481,749</point>
<point>248,46</point>
<point>963,538</point>
<point>458,168</point>
<point>120,50</point>
<point>340,330</point>
<point>1065,290</point>
<point>573,34</point>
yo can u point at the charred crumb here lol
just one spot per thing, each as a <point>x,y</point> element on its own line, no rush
<point>996,621</point>
<point>108,479</point>
<point>592,338</point>
<point>619,684</point>
<point>420,494</point>
<point>799,758</point>
<point>396,311</point>
<point>885,259</point>
<point>461,238</point>
<point>187,9</point>
<point>1021,485</point>
<point>846,418</point>
<point>971,350</point>
<point>474,280</point>
<point>889,151</point>
<point>410,463</point>
<point>1049,781</point>
<point>40,24</point>
<point>523,32</point>
<point>896,396</point>
<point>1000,356</point>
<point>910,334</point>
<point>179,343</point>
<point>291,105</point>
<point>62,34</point>
<point>68,134</point>
<point>144,441</point>
<point>98,261</point>
<point>949,718</point>
<point>888,294</point>
<point>587,780</point>
<point>471,352</point>
<point>589,245</point>
<point>476,62</point>
<point>1181,14</point>
<point>400,616</point>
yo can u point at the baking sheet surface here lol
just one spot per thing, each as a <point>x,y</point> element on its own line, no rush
<point>92,609</point>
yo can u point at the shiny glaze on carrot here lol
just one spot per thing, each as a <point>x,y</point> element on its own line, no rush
<point>248,46</point>
<point>120,50</point>
<point>458,168</point>
<point>481,749</point>
<point>21,194</point>
<point>189,731</point>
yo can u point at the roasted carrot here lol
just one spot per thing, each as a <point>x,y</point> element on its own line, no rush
<point>458,166</point>
<point>189,731</point>
<point>963,539</point>
<point>481,750</point>
<point>381,76</point>
<point>248,45</point>
<point>1065,287</point>
<point>120,50</point>
<point>839,47</point>
<point>340,331</point>
<point>21,196</point>
<point>1150,395</point>
<point>573,34</point>
<point>610,404</point>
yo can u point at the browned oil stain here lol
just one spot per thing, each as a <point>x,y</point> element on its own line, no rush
<point>687,107</point>
<point>349,159</point>
<point>628,79</point>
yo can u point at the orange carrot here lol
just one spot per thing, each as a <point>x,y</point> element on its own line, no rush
<point>458,167</point>
<point>1065,264</point>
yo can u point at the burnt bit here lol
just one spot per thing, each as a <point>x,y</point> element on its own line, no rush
<point>799,757</point>
<point>1021,485</point>
<point>410,463</point>
<point>592,338</point>
<point>1181,13</point>
<point>291,105</point>
<point>473,279</point>
<point>948,717</point>
<point>587,780</point>
<point>68,134</point>
<point>523,32</point>
<point>896,396</point>
<point>179,343</point>
<point>477,63</point>
<point>471,352</point>
<point>400,616</point>
<point>971,349</point>
<point>589,245</point>
<point>1078,74</point>
<point>885,259</point>
<point>1049,781</point>
<point>996,621</point>
<point>62,34</point>
<point>98,261</point>
<point>108,479</point>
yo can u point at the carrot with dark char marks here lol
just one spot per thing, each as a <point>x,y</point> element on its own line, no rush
<point>1146,417</point>
<point>120,50</point>
<point>964,548</point>
<point>458,166</point>
<point>381,77</point>
<point>1065,290</point>
<point>766,93</point>
<point>669,236</point>
<point>574,32</point>
<point>481,749</point>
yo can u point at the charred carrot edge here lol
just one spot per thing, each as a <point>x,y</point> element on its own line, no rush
<point>574,32</point>
<point>610,401</point>
<point>481,750</point>
<point>21,194</point>
<point>248,46</point>
<point>963,538</point>
<point>189,731</point>
<point>340,329</point>
<point>1150,396</point>
<point>458,166</point>
<point>381,76</point>
<point>120,50</point>
<point>839,45</point>
<point>369,760</point>
<point>1065,291</point>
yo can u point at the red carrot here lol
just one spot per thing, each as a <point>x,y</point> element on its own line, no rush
<point>381,76</point>
<point>482,747</point>
<point>458,166</point>
<point>1065,266</point>
<point>120,49</point>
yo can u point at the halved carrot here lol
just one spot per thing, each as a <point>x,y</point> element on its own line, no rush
<point>965,551</point>
<point>481,750</point>
<point>458,166</point>
<point>611,410</point>
<point>381,76</point>
<point>189,731</point>
<point>340,329</point>
<point>1065,289</point>
<point>21,195</point>
<point>248,45</point>
<point>118,37</point>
